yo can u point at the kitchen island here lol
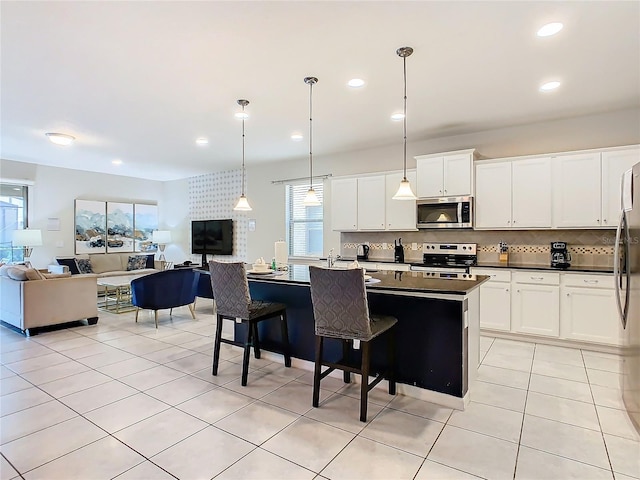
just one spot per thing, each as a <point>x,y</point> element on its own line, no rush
<point>437,335</point>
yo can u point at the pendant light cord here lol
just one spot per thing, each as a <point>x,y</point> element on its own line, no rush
<point>243,151</point>
<point>404,62</point>
<point>311,135</point>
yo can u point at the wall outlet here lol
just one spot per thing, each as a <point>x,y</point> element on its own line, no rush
<point>414,246</point>
<point>384,246</point>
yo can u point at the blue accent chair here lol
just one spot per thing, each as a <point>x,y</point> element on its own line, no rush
<point>166,289</point>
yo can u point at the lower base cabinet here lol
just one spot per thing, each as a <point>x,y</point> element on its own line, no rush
<point>589,314</point>
<point>569,306</point>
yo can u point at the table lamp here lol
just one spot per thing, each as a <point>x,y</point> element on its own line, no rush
<point>27,239</point>
<point>161,238</point>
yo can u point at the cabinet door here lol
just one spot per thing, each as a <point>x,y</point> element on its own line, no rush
<point>493,195</point>
<point>576,190</point>
<point>495,306</point>
<point>590,314</point>
<point>531,193</point>
<point>400,214</point>
<point>457,175</point>
<point>535,309</point>
<point>344,204</point>
<point>371,203</point>
<point>430,177</point>
<point>614,164</point>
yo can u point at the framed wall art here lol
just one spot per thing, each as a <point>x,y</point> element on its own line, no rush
<point>90,226</point>
<point>119,227</point>
<point>145,222</point>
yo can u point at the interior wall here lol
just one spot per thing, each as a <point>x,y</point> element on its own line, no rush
<point>594,131</point>
<point>54,191</point>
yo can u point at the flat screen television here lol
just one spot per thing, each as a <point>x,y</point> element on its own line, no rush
<point>213,237</point>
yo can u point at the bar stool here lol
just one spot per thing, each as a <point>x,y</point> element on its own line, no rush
<point>233,301</point>
<point>341,311</point>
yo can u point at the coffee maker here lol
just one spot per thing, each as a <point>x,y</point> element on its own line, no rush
<point>363,252</point>
<point>560,256</point>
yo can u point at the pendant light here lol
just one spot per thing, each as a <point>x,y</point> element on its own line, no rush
<point>311,199</point>
<point>243,203</point>
<point>404,190</point>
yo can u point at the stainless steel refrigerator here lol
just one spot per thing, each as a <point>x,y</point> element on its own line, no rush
<point>627,279</point>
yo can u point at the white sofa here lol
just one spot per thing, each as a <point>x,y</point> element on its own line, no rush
<point>27,304</point>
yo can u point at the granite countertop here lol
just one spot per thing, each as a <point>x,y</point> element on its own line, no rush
<point>532,266</point>
<point>409,282</point>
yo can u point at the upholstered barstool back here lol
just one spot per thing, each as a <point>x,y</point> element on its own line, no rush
<point>339,302</point>
<point>340,311</point>
<point>230,289</point>
<point>233,301</point>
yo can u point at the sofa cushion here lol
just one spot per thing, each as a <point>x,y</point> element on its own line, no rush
<point>56,275</point>
<point>70,263</point>
<point>105,262</point>
<point>137,262</point>
<point>84,265</point>
<point>4,270</point>
<point>151,261</point>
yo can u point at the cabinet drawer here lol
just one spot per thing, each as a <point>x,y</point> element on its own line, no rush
<point>541,278</point>
<point>496,274</point>
<point>587,280</point>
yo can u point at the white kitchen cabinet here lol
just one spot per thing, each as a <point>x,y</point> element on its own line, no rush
<point>535,303</point>
<point>344,204</point>
<point>614,164</point>
<point>493,195</point>
<point>576,190</point>
<point>445,174</point>
<point>531,193</point>
<point>588,310</point>
<point>371,203</point>
<point>400,214</point>
<point>495,299</point>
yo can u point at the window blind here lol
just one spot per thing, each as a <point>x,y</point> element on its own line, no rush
<point>304,224</point>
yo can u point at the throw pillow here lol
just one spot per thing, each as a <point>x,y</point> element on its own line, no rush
<point>71,263</point>
<point>84,265</point>
<point>137,262</point>
<point>151,261</point>
<point>4,270</point>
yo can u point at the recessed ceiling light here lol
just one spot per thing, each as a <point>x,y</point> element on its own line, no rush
<point>396,117</point>
<point>202,141</point>
<point>117,161</point>
<point>241,115</point>
<point>296,137</point>
<point>355,82</point>
<point>550,29</point>
<point>60,138</point>
<point>547,87</point>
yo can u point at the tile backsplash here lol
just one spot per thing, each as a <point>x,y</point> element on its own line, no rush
<point>587,247</point>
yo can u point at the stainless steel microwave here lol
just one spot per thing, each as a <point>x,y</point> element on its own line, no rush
<point>445,212</point>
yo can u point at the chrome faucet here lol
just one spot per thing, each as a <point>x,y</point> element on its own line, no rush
<point>330,259</point>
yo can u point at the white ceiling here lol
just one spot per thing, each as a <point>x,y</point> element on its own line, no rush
<point>140,81</point>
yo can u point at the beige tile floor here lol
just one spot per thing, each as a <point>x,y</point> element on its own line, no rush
<point>124,400</point>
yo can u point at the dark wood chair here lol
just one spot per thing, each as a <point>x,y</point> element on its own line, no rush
<point>233,301</point>
<point>340,311</point>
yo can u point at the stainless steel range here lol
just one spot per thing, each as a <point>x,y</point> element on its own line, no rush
<point>447,258</point>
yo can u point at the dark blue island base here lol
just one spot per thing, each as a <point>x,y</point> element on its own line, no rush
<point>437,350</point>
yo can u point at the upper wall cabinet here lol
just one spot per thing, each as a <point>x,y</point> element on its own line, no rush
<point>344,204</point>
<point>366,204</point>
<point>504,193</point>
<point>587,187</point>
<point>445,174</point>
<point>614,164</point>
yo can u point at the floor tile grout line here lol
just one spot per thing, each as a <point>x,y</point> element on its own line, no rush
<point>524,414</point>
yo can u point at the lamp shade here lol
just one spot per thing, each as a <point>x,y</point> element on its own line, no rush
<point>311,199</point>
<point>404,191</point>
<point>161,237</point>
<point>243,204</point>
<point>27,238</point>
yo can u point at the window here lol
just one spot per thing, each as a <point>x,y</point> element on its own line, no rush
<point>304,224</point>
<point>13,216</point>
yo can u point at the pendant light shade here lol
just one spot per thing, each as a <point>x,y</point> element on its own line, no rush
<point>311,199</point>
<point>243,203</point>
<point>404,190</point>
